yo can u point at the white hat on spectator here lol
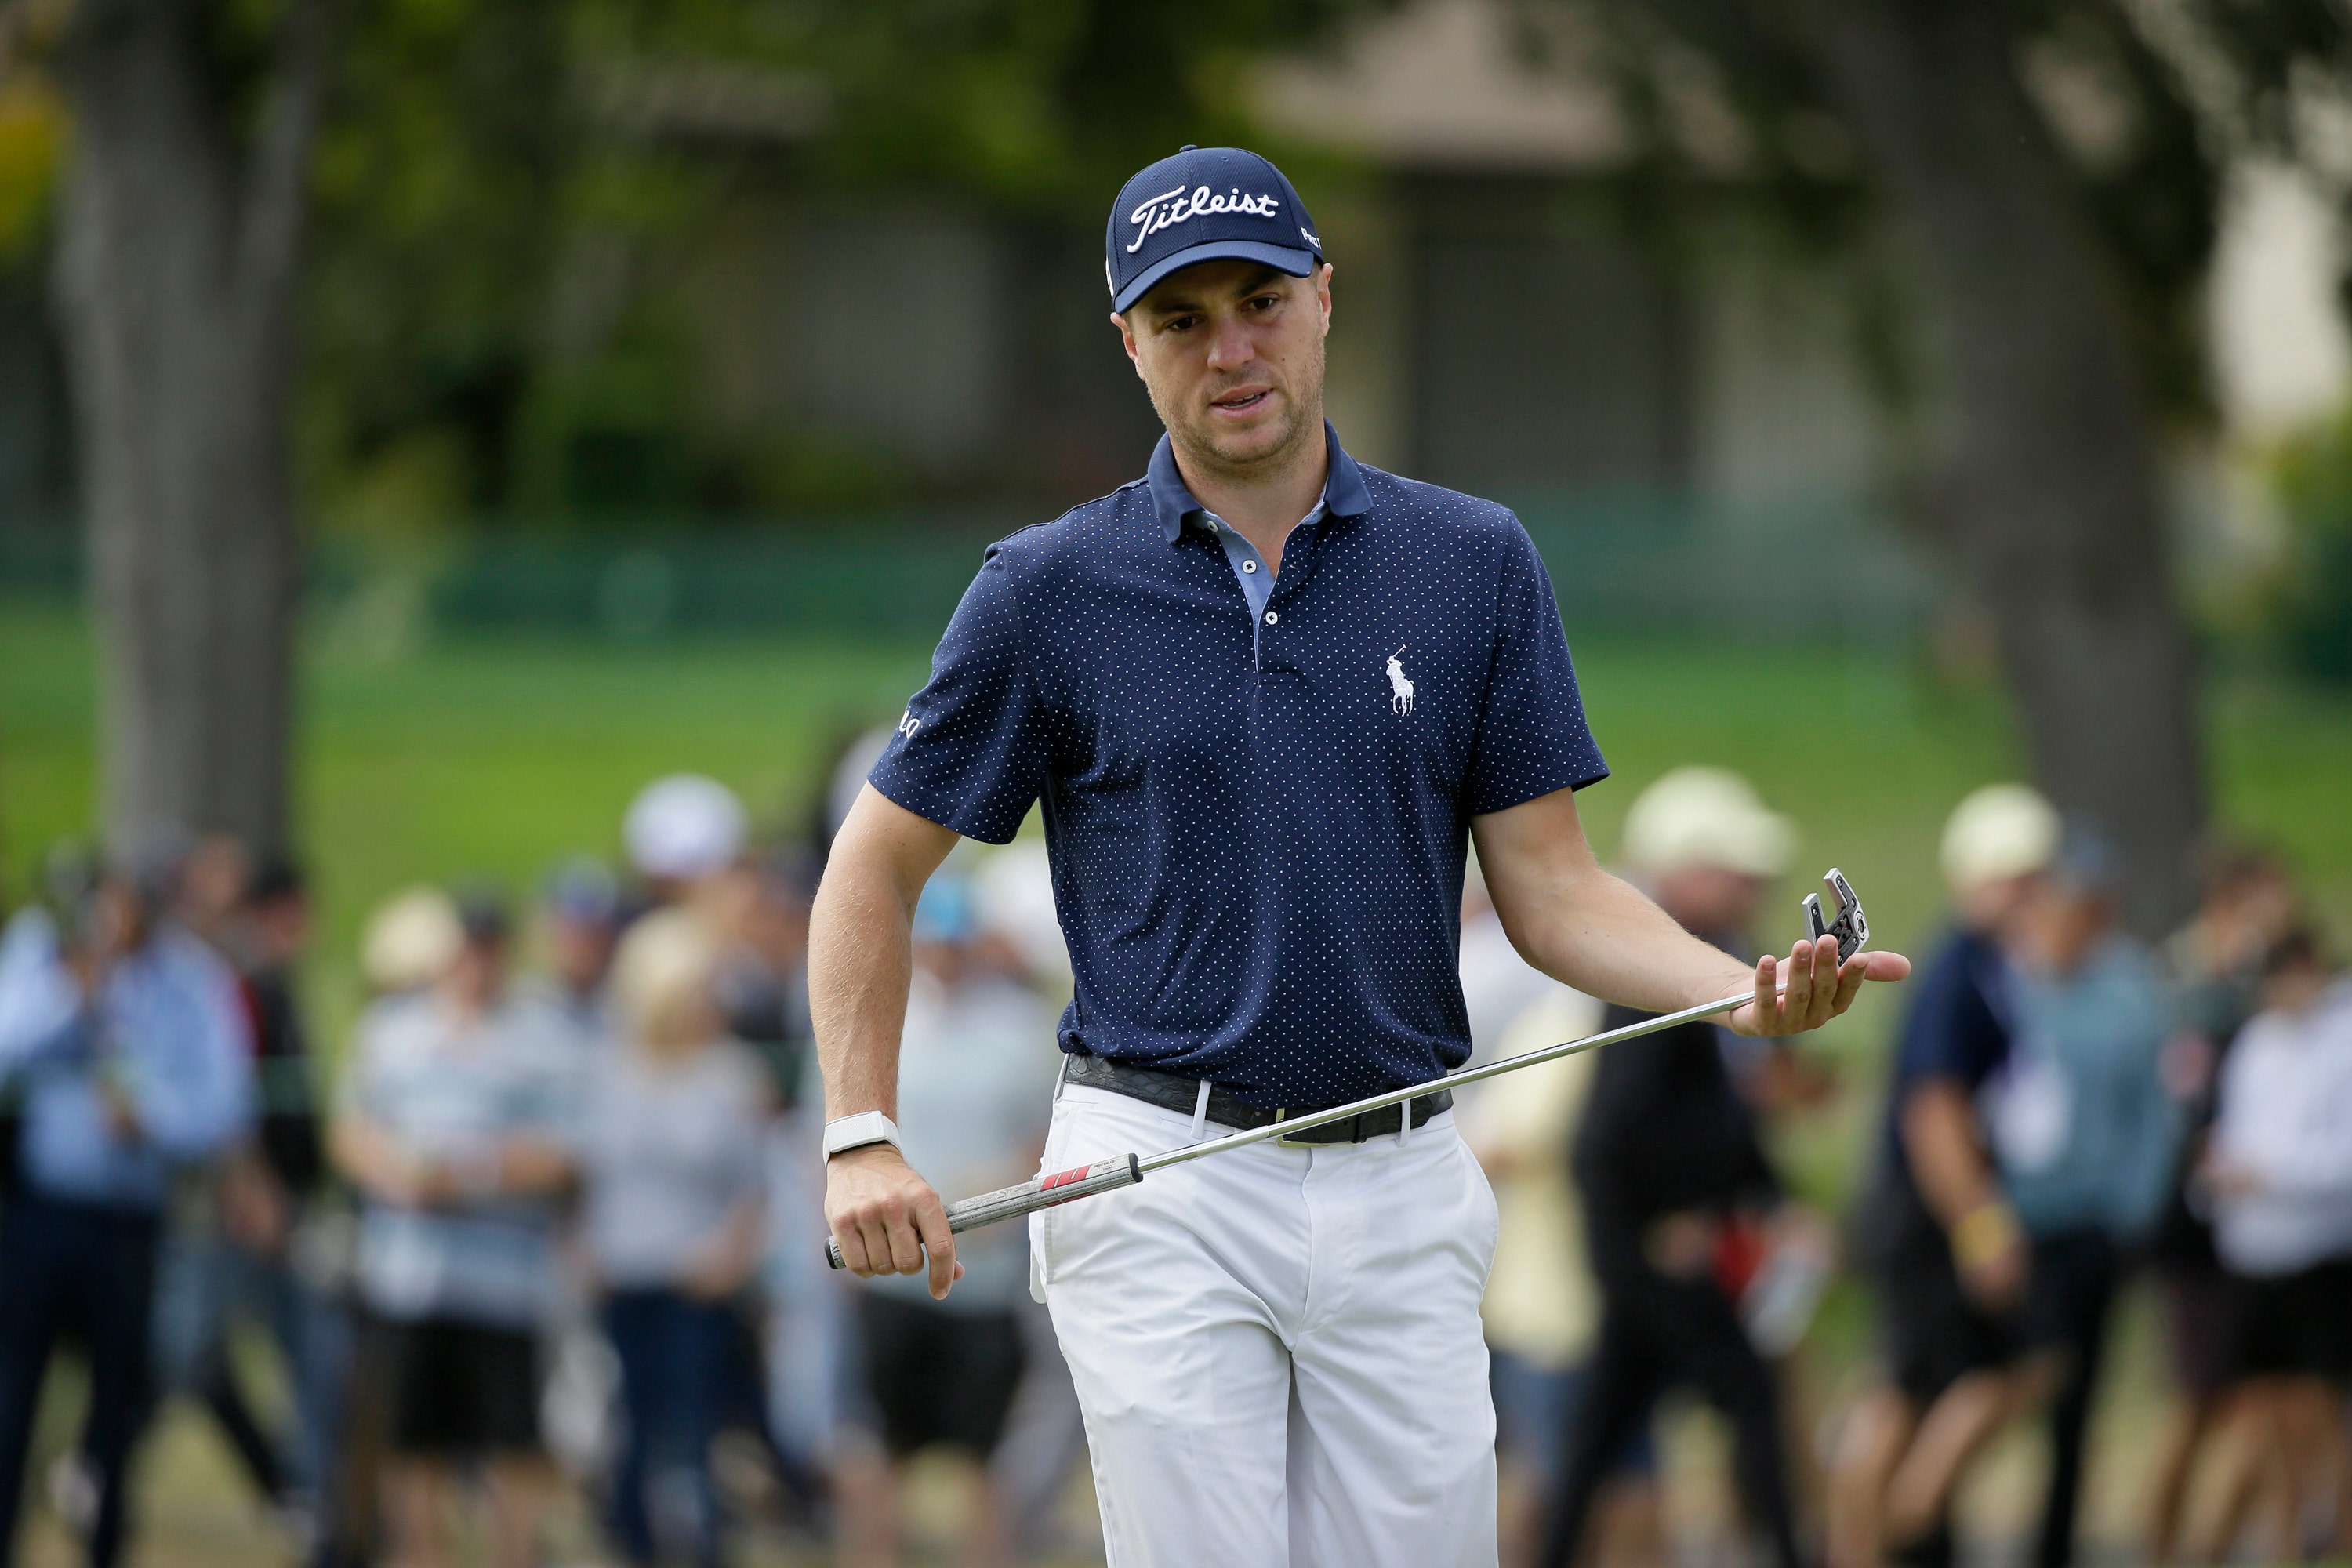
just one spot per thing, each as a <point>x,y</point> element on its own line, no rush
<point>410,939</point>
<point>2000,831</point>
<point>1013,897</point>
<point>1707,817</point>
<point>684,827</point>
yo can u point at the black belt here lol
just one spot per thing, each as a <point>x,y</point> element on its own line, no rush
<point>1174,1091</point>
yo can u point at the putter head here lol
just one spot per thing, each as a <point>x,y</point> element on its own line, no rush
<point>1850,928</point>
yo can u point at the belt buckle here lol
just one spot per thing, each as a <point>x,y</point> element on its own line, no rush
<point>1281,1115</point>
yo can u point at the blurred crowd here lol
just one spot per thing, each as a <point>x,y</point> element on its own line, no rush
<point>2066,1111</point>
<point>538,1248</point>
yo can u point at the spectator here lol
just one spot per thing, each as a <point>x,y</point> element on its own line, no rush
<point>2084,1134</point>
<point>1542,1308</point>
<point>674,1169</point>
<point>975,1078</point>
<point>2216,962</point>
<point>457,1125</point>
<point>1668,1158</point>
<point>1497,985</point>
<point>1044,1440</point>
<point>2280,1171</point>
<point>681,832</point>
<point>1950,1258</point>
<point>128,1039</point>
<point>409,941</point>
<point>581,919</point>
<point>759,905</point>
<point>243,1268</point>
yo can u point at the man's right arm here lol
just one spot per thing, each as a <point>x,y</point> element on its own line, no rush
<point>884,1216</point>
<point>1956,1181</point>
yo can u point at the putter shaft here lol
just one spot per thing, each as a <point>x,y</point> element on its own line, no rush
<point>1288,1125</point>
<point>1040,1192</point>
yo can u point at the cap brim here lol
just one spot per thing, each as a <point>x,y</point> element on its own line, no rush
<point>1295,262</point>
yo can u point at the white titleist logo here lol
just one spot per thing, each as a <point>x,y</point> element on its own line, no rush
<point>1400,688</point>
<point>1169,207</point>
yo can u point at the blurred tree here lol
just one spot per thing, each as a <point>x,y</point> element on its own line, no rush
<point>176,245</point>
<point>2048,173</point>
<point>485,188</point>
<point>507,184</point>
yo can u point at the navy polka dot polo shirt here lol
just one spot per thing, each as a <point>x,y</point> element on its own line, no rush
<point>1256,818</point>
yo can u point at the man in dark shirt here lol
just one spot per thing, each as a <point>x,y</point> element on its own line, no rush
<point>1667,1158</point>
<point>1951,1259</point>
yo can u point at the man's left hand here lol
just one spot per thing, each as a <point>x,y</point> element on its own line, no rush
<point>1810,987</point>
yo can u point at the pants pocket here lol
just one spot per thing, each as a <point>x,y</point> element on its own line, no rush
<point>1041,1224</point>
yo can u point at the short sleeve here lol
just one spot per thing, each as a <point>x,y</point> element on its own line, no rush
<point>1951,1032</point>
<point>1532,738</point>
<point>969,753</point>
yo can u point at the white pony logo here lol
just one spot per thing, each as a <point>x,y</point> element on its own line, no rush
<point>1400,688</point>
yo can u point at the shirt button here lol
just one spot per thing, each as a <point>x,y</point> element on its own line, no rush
<point>1212,525</point>
<point>1249,565</point>
<point>1271,617</point>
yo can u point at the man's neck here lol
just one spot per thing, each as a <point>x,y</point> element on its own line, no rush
<point>1263,504</point>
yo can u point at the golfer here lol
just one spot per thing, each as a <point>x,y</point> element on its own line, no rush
<point>1265,694</point>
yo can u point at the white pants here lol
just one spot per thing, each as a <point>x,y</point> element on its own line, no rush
<point>1277,1350</point>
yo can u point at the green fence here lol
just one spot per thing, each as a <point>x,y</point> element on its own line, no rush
<point>1630,561</point>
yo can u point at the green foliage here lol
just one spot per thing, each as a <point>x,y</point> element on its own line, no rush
<point>1726,99</point>
<point>2314,484</point>
<point>508,190</point>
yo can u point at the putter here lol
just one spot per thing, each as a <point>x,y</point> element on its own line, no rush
<point>1044,1192</point>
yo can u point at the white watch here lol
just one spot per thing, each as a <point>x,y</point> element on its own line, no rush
<point>857,1131</point>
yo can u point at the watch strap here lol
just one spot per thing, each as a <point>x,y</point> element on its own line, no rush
<point>857,1131</point>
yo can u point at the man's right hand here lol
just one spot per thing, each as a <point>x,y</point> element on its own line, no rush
<point>1989,1251</point>
<point>885,1217</point>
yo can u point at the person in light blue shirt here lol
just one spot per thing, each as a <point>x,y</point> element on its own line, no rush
<point>2084,1133</point>
<point>126,1041</point>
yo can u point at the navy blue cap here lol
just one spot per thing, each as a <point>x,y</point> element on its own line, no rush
<point>1205,204</point>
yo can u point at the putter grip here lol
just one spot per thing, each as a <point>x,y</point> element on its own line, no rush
<point>1037,1192</point>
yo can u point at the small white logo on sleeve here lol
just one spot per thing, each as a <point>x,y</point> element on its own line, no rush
<point>1400,688</point>
<point>908,724</point>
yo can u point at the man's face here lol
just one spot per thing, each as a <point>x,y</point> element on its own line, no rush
<point>2057,926</point>
<point>1714,900</point>
<point>477,975</point>
<point>1232,353</point>
<point>281,928</point>
<point>581,950</point>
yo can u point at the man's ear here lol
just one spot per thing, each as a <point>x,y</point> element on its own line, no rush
<point>1323,294</point>
<point>1127,339</point>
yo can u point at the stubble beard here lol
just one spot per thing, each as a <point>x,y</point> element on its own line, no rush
<point>1302,411</point>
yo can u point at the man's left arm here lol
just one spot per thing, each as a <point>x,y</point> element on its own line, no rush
<point>1594,931</point>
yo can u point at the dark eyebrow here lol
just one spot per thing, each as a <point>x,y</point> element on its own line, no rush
<point>1258,279</point>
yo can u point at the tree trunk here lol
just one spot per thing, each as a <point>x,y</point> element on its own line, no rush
<point>2048,492</point>
<point>176,271</point>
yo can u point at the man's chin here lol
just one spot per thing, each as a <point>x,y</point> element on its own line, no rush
<point>1246,445</point>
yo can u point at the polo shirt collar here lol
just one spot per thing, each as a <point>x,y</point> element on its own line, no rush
<point>1344,494</point>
